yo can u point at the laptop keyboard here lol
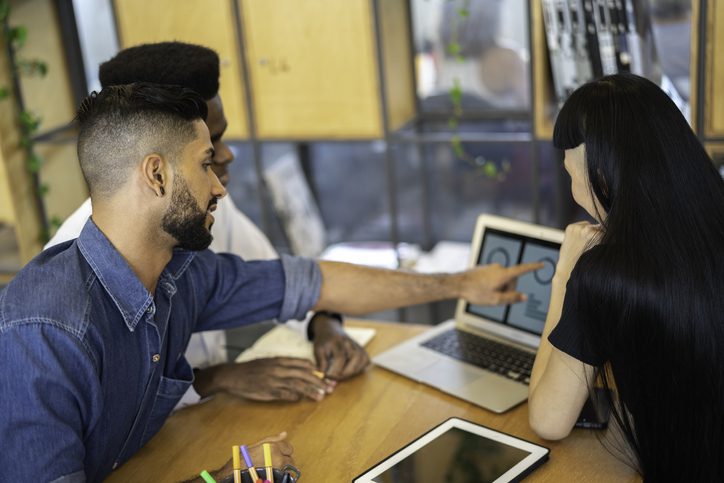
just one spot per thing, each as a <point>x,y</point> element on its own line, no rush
<point>503,359</point>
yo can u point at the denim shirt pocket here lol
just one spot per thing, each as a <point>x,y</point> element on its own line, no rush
<point>169,393</point>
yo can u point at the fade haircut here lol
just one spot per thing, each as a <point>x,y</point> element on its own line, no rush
<point>177,63</point>
<point>120,125</point>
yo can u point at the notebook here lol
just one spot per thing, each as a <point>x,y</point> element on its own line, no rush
<point>485,354</point>
<point>283,341</point>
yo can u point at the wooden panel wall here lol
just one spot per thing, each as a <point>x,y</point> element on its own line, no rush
<point>51,98</point>
<point>544,107</point>
<point>312,66</point>
<point>205,22</point>
<point>397,61</point>
<point>714,83</point>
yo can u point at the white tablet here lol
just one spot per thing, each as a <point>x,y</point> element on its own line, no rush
<point>456,451</point>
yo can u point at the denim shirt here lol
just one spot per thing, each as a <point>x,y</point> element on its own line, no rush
<point>91,363</point>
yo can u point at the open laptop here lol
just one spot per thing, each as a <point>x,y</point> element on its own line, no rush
<point>485,355</point>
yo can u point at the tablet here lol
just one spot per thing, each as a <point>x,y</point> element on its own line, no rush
<point>459,451</point>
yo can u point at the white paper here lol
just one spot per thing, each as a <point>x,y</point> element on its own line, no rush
<point>283,341</point>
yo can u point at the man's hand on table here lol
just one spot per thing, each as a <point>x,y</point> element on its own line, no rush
<point>281,454</point>
<point>338,356</point>
<point>272,379</point>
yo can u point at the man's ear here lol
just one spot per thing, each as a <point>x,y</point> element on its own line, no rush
<point>155,173</point>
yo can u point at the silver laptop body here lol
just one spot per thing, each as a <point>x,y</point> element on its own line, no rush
<point>507,242</point>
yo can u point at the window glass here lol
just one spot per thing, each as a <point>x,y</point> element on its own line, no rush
<point>480,44</point>
<point>671,25</point>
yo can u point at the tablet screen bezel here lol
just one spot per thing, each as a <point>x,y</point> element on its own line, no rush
<point>537,454</point>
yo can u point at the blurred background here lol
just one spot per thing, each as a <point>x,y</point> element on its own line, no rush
<point>393,123</point>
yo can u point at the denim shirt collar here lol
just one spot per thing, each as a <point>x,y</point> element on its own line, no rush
<point>118,279</point>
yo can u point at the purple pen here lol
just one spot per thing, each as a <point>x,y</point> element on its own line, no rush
<point>249,464</point>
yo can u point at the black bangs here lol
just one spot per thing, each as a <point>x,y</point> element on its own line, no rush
<point>568,132</point>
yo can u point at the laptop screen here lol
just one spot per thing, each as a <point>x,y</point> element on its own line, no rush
<point>510,249</point>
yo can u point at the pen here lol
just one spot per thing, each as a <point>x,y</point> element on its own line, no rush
<point>249,464</point>
<point>207,477</point>
<point>237,463</point>
<point>319,374</point>
<point>268,462</point>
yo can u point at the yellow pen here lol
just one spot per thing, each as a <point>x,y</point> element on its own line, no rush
<point>268,462</point>
<point>237,463</point>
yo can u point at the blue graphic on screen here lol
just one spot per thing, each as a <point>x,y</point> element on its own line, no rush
<point>508,250</point>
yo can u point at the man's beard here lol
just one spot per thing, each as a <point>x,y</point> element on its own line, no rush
<point>184,220</point>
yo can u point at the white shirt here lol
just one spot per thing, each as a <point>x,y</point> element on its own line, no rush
<point>233,233</point>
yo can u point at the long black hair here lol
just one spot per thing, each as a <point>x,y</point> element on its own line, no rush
<point>651,294</point>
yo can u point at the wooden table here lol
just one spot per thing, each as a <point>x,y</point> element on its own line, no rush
<point>362,422</point>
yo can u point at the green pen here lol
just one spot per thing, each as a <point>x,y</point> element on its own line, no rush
<point>207,477</point>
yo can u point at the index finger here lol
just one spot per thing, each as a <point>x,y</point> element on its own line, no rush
<point>518,270</point>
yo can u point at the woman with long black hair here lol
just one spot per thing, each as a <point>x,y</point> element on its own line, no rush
<point>638,298</point>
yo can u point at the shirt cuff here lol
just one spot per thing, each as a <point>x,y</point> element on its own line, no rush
<point>300,326</point>
<point>302,286</point>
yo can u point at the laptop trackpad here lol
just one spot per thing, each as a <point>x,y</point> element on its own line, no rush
<point>448,374</point>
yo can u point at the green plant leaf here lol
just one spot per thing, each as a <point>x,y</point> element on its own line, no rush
<point>456,93</point>
<point>43,189</point>
<point>32,67</point>
<point>55,221</point>
<point>34,163</point>
<point>453,48</point>
<point>43,236</point>
<point>457,146</point>
<point>4,9</point>
<point>41,67</point>
<point>4,93</point>
<point>18,36</point>
<point>490,169</point>
<point>463,12</point>
<point>29,122</point>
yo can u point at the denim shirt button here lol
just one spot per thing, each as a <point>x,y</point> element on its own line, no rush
<point>156,358</point>
<point>151,309</point>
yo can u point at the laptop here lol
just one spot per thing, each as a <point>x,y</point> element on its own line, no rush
<point>485,354</point>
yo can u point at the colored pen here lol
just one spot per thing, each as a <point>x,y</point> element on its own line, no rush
<point>207,477</point>
<point>249,464</point>
<point>268,462</point>
<point>237,463</point>
<point>319,374</point>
